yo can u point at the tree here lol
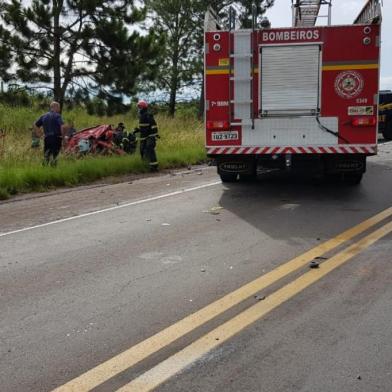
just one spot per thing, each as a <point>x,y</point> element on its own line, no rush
<point>5,63</point>
<point>85,44</point>
<point>247,9</point>
<point>181,23</point>
<point>175,21</point>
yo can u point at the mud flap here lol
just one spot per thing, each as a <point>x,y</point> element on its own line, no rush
<point>350,164</point>
<point>237,166</point>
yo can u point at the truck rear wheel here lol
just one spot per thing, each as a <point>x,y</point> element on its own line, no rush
<point>251,175</point>
<point>228,177</point>
<point>352,178</point>
<point>248,177</point>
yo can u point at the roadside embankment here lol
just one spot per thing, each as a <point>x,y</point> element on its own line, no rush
<point>21,170</point>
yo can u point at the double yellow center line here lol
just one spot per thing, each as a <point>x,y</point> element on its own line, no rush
<point>183,358</point>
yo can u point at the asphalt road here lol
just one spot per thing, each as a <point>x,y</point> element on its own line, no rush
<point>159,269</point>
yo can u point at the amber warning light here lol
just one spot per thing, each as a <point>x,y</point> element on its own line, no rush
<point>364,121</point>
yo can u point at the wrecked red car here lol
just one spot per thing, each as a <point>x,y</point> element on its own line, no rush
<point>95,140</point>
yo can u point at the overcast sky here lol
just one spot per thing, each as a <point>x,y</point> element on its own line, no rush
<point>344,12</point>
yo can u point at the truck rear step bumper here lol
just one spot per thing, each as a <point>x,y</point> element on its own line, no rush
<point>367,149</point>
<point>325,163</point>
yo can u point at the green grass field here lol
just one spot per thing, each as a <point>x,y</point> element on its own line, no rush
<point>21,170</point>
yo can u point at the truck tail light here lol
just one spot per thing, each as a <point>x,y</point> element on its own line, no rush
<point>368,121</point>
<point>218,125</point>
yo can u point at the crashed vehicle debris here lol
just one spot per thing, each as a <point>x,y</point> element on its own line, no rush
<point>100,140</point>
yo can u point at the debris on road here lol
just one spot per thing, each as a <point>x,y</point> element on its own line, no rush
<point>314,264</point>
<point>214,210</point>
<point>289,206</point>
<point>171,259</point>
<point>260,297</point>
<point>165,224</point>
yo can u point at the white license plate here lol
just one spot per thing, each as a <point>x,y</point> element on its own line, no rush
<point>229,135</point>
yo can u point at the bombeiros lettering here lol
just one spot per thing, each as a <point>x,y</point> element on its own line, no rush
<point>293,35</point>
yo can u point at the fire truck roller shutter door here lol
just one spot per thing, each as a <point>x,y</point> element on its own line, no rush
<point>290,79</point>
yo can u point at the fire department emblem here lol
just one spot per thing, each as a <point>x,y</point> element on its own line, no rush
<point>349,84</point>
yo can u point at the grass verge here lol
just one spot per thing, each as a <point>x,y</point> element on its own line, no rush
<point>21,170</point>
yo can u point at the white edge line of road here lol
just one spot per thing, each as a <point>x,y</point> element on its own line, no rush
<point>133,203</point>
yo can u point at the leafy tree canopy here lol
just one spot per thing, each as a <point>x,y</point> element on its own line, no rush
<point>181,23</point>
<point>91,45</point>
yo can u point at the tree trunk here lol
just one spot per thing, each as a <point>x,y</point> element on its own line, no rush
<point>67,75</point>
<point>172,101</point>
<point>58,94</point>
<point>173,86</point>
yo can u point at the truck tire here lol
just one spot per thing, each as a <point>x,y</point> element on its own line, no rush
<point>387,132</point>
<point>248,177</point>
<point>352,178</point>
<point>228,177</point>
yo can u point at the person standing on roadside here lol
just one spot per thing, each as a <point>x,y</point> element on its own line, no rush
<point>53,128</point>
<point>148,130</point>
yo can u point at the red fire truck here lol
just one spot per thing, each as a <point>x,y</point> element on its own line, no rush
<point>303,97</point>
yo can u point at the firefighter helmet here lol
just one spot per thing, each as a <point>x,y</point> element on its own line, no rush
<point>142,104</point>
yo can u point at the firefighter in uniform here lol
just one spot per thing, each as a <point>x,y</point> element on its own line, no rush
<point>148,130</point>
